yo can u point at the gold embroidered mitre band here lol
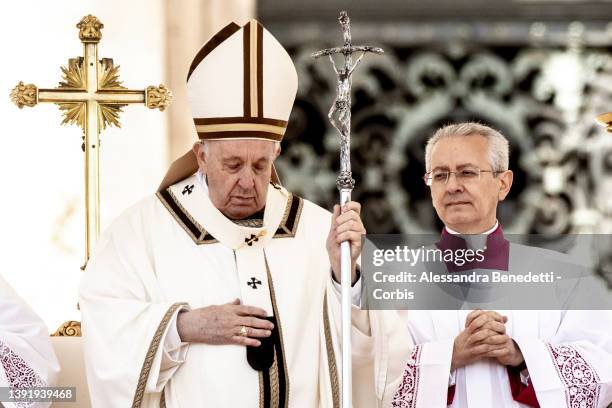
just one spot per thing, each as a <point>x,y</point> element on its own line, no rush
<point>241,85</point>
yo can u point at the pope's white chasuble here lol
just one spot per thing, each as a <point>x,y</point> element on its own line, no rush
<point>175,251</point>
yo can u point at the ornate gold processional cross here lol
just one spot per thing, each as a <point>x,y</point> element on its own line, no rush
<point>92,97</point>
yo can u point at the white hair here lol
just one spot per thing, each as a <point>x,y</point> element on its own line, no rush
<point>499,155</point>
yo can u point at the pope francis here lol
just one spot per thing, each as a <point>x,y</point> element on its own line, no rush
<point>219,290</point>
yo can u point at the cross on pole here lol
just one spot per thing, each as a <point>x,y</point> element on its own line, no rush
<point>92,97</point>
<point>340,117</point>
<point>340,113</point>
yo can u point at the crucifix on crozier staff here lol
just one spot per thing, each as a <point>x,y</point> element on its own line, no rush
<point>340,112</point>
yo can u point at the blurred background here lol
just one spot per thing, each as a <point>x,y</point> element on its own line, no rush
<point>539,71</point>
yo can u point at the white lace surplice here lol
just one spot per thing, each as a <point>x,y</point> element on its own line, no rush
<point>26,355</point>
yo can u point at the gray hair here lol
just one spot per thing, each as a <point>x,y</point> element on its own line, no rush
<point>499,155</point>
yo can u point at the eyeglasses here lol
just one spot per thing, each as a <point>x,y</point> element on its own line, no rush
<point>464,176</point>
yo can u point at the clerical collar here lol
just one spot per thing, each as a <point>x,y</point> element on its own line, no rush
<point>453,232</point>
<point>252,221</point>
<point>496,249</point>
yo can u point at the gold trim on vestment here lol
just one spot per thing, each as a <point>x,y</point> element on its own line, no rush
<point>274,385</point>
<point>193,220</point>
<point>162,400</point>
<point>201,239</point>
<point>287,210</point>
<point>261,387</point>
<point>331,357</point>
<point>286,232</point>
<point>151,352</point>
<point>282,404</point>
<point>204,237</point>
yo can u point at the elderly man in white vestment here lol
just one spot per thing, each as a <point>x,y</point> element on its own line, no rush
<point>26,354</point>
<point>218,291</point>
<point>483,358</point>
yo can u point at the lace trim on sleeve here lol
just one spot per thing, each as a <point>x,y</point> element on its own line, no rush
<point>579,378</point>
<point>406,394</point>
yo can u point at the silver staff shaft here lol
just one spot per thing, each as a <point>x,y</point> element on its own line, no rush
<point>345,281</point>
<point>340,118</point>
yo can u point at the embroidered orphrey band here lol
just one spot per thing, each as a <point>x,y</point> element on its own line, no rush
<point>331,357</point>
<point>162,401</point>
<point>287,228</point>
<point>291,218</point>
<point>274,383</point>
<point>197,233</point>
<point>151,352</point>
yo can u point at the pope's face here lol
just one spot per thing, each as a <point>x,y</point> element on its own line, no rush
<point>467,206</point>
<point>238,174</point>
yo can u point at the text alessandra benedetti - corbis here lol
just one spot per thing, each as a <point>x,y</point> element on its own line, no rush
<point>468,277</point>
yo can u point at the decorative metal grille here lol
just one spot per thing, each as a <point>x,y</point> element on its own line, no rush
<point>542,88</point>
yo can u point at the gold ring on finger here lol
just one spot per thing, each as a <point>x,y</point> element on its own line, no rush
<point>244,331</point>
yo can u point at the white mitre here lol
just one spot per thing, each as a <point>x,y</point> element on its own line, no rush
<point>241,85</point>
